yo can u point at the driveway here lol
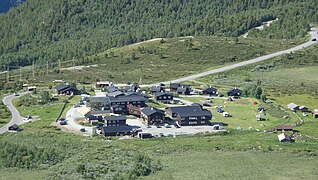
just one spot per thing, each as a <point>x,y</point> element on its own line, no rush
<point>312,32</point>
<point>71,116</point>
<point>16,118</point>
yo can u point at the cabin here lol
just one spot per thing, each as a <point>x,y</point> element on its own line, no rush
<point>163,96</point>
<point>124,100</point>
<point>284,138</point>
<point>189,115</point>
<point>283,128</point>
<point>234,92</point>
<point>131,88</point>
<point>116,130</point>
<point>102,84</point>
<point>209,91</point>
<point>31,88</point>
<point>155,89</point>
<point>293,106</point>
<point>185,90</point>
<point>119,109</point>
<point>111,89</point>
<point>133,110</point>
<point>93,120</point>
<point>115,120</point>
<point>67,90</point>
<point>174,87</point>
<point>115,94</point>
<point>152,115</point>
<point>100,104</point>
<point>303,109</point>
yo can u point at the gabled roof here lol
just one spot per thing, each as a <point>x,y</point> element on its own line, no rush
<point>98,99</point>
<point>150,110</point>
<point>115,93</point>
<point>174,85</point>
<point>92,117</point>
<point>131,98</point>
<point>292,106</point>
<point>156,89</point>
<point>209,89</point>
<point>112,118</point>
<point>114,129</point>
<point>192,110</point>
<point>131,88</point>
<point>61,87</point>
<point>111,89</point>
<point>183,89</point>
<point>157,94</point>
<point>235,90</point>
<point>302,107</point>
<point>284,127</point>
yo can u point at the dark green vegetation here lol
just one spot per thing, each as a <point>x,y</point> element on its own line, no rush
<point>5,5</point>
<point>294,73</point>
<point>50,30</point>
<point>5,115</point>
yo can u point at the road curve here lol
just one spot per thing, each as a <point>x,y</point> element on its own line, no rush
<point>16,118</point>
<point>312,32</point>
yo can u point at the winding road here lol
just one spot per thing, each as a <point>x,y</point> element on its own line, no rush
<point>312,32</point>
<point>16,118</point>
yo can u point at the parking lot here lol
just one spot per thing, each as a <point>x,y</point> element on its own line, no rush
<point>172,130</point>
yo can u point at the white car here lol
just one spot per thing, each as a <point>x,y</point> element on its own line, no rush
<point>27,120</point>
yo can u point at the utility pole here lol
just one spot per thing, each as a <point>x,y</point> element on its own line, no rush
<point>8,76</point>
<point>33,70</point>
<point>59,66</point>
<point>20,73</point>
<point>47,67</point>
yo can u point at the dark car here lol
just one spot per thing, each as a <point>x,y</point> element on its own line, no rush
<point>314,39</point>
<point>63,123</point>
<point>158,126</point>
<point>82,129</point>
<point>61,119</point>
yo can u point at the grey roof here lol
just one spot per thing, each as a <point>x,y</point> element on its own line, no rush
<point>131,98</point>
<point>156,89</point>
<point>183,89</point>
<point>111,89</point>
<point>65,88</point>
<point>131,88</point>
<point>209,89</point>
<point>193,110</point>
<point>99,99</point>
<point>157,94</point>
<point>235,90</point>
<point>111,118</point>
<point>150,110</point>
<point>174,85</point>
<point>292,106</point>
<point>118,128</point>
<point>115,93</point>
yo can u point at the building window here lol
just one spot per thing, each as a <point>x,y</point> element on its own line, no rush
<point>202,122</point>
<point>169,97</point>
<point>164,97</point>
<point>159,97</point>
<point>193,122</point>
<point>202,117</point>
<point>192,118</point>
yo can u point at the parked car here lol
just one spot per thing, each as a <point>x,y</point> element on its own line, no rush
<point>148,126</point>
<point>16,94</point>
<point>63,123</point>
<point>158,126</point>
<point>82,129</point>
<point>314,39</point>
<point>167,126</point>
<point>61,119</point>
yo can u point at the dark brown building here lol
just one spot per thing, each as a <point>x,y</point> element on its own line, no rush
<point>152,115</point>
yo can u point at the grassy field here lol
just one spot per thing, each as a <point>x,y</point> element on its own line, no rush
<point>294,73</point>
<point>155,61</point>
<point>235,165</point>
<point>243,113</point>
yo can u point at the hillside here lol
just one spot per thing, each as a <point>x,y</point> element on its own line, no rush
<point>5,5</point>
<point>50,30</point>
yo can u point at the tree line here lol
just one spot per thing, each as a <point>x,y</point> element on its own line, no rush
<point>50,30</point>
